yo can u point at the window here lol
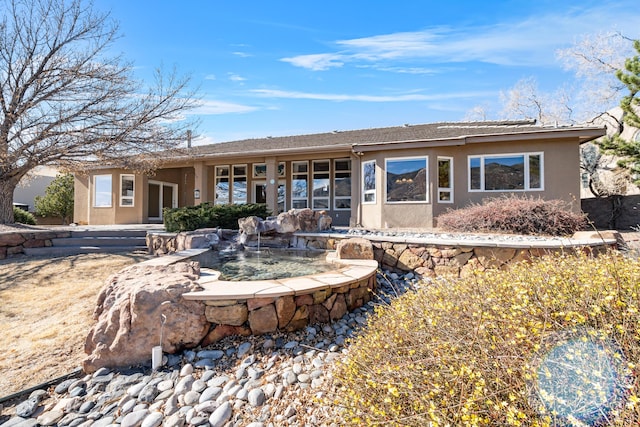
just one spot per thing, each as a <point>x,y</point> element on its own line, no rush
<point>260,170</point>
<point>299,185</point>
<point>282,191</point>
<point>509,172</point>
<point>239,189</point>
<point>222,185</point>
<point>127,186</point>
<point>342,184</point>
<point>102,191</point>
<point>406,179</point>
<point>369,182</point>
<point>445,180</point>
<point>320,193</point>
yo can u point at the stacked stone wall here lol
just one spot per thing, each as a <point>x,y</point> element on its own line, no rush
<point>14,243</point>
<point>426,260</point>
<point>431,260</point>
<point>287,313</point>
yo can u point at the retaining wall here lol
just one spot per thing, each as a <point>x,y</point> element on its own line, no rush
<point>14,242</point>
<point>426,257</point>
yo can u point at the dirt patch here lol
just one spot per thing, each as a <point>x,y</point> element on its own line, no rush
<point>46,312</point>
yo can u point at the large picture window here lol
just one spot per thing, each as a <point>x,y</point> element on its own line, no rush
<point>406,180</point>
<point>508,172</point>
<point>102,191</point>
<point>127,188</point>
<point>342,184</point>
<point>369,182</point>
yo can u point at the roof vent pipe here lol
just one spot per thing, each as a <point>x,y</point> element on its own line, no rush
<point>189,138</point>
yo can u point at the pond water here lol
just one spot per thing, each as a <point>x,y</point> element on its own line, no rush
<point>266,264</point>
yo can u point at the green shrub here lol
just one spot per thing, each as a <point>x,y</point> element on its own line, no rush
<point>57,200</point>
<point>207,215</point>
<point>514,214</point>
<point>23,217</point>
<point>553,342</point>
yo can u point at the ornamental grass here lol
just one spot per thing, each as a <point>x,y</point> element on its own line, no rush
<point>551,342</point>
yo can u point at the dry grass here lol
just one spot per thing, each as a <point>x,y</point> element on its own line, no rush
<point>46,307</point>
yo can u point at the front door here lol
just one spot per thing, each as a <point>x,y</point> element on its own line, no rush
<point>161,195</point>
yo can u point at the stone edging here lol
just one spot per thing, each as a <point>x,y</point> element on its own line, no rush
<point>14,242</point>
<point>455,258</point>
<point>258,307</point>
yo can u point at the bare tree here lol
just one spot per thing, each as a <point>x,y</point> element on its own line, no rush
<point>477,113</point>
<point>64,100</point>
<point>525,100</point>
<point>595,59</point>
<point>605,178</point>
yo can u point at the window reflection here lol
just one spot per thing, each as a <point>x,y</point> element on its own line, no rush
<point>407,180</point>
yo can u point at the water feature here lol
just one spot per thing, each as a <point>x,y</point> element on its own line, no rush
<point>264,264</point>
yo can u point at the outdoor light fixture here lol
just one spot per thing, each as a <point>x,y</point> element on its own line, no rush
<point>196,194</point>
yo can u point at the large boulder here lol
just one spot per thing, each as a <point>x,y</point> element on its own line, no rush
<point>130,312</point>
<point>354,248</point>
<point>199,239</point>
<point>287,222</point>
<point>324,221</point>
<point>307,220</point>
<point>250,225</point>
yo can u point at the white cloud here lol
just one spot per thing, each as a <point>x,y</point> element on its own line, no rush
<point>210,77</point>
<point>212,107</point>
<point>411,70</point>
<point>236,78</point>
<point>531,41</point>
<point>242,54</point>
<point>272,93</point>
<point>317,62</point>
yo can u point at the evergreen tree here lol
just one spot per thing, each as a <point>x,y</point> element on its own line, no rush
<point>630,104</point>
<point>629,151</point>
<point>58,199</point>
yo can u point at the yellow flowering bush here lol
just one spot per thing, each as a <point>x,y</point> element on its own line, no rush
<point>552,342</point>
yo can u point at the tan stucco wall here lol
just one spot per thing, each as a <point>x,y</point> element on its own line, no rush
<point>560,174</point>
<point>561,181</point>
<point>86,213</point>
<point>80,199</point>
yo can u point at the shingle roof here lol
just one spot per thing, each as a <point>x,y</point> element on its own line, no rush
<point>346,139</point>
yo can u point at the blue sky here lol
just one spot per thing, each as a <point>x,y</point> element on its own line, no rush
<point>272,68</point>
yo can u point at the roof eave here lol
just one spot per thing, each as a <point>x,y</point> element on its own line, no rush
<point>269,152</point>
<point>582,134</point>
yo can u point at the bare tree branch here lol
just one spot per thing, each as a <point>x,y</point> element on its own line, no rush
<point>64,100</point>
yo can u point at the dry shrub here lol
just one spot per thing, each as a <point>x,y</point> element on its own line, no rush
<point>514,214</point>
<point>548,343</point>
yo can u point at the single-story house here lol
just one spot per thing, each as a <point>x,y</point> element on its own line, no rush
<point>394,177</point>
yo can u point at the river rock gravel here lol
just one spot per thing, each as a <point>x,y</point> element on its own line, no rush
<point>274,380</point>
